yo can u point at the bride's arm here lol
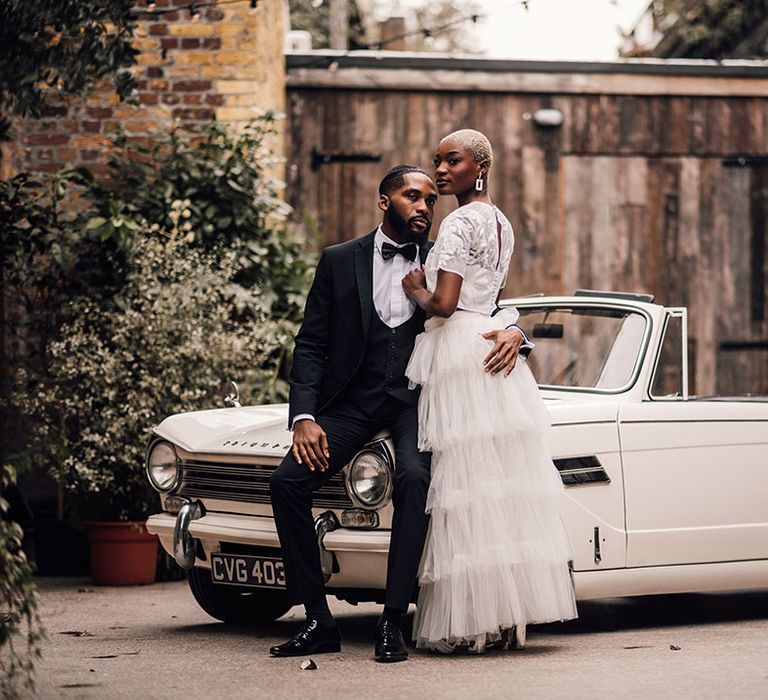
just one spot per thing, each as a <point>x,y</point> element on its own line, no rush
<point>443,301</point>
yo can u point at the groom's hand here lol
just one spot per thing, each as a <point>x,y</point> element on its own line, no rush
<point>310,445</point>
<point>503,354</point>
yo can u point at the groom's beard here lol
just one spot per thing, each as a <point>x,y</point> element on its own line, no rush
<point>403,227</point>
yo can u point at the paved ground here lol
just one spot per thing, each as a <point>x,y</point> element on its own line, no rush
<point>153,642</point>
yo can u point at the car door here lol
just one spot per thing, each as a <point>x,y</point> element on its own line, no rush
<point>695,471</point>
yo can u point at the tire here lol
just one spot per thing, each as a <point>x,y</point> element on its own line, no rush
<point>235,605</point>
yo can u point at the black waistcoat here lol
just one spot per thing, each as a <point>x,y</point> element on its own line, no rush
<point>382,370</point>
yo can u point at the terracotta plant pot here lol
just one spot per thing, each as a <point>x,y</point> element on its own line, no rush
<point>122,554</point>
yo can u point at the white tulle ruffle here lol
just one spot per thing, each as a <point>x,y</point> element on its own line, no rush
<point>497,553</point>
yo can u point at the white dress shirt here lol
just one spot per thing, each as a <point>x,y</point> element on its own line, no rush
<point>392,304</point>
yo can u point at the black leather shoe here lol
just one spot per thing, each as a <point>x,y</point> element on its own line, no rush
<point>389,643</point>
<point>312,638</point>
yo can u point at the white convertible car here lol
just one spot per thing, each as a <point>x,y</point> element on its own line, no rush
<point>665,492</point>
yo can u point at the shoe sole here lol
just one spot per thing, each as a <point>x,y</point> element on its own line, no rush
<point>335,649</point>
<point>390,659</point>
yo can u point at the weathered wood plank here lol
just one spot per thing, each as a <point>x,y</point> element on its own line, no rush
<point>405,79</point>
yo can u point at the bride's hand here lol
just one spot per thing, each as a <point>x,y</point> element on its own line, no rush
<point>414,280</point>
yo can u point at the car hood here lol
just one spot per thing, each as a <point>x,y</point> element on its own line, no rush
<point>248,430</point>
<point>263,429</point>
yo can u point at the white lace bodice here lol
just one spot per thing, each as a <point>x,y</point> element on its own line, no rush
<point>467,244</point>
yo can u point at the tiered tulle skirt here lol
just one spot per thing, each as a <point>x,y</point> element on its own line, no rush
<point>497,553</point>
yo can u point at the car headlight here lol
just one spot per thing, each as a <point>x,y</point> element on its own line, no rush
<point>163,466</point>
<point>369,479</point>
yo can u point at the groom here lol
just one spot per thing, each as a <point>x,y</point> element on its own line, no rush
<point>347,383</point>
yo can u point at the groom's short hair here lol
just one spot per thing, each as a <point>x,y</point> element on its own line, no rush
<point>395,177</point>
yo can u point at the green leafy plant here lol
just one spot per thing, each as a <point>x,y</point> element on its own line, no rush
<point>231,198</point>
<point>19,620</point>
<point>171,337</point>
<point>119,345</point>
<point>56,49</point>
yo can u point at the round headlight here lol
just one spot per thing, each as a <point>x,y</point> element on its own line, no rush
<point>369,479</point>
<point>163,466</point>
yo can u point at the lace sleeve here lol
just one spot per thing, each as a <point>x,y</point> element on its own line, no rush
<point>455,244</point>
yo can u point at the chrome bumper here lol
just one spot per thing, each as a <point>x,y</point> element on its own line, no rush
<point>359,556</point>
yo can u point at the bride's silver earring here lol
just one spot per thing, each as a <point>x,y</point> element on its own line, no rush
<point>479,183</point>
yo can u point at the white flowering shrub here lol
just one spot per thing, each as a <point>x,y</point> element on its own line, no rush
<point>166,344</point>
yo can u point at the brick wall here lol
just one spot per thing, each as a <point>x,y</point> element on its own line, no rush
<point>225,65</point>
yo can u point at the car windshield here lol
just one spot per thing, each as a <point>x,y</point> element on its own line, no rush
<point>583,347</point>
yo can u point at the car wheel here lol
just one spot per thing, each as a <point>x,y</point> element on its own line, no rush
<point>233,604</point>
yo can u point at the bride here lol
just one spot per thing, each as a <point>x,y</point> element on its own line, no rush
<point>497,553</point>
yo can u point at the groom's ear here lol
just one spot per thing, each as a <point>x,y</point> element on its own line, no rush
<point>383,202</point>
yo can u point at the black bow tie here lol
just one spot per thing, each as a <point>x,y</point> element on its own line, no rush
<point>408,251</point>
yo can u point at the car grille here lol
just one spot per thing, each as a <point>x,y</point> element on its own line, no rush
<point>249,483</point>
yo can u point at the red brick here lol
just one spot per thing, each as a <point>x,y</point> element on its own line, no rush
<point>192,86</point>
<point>154,72</point>
<point>190,43</point>
<point>158,29</point>
<point>212,42</point>
<point>53,111</point>
<point>48,139</point>
<point>148,98</point>
<point>87,154</point>
<point>43,127</point>
<point>99,112</point>
<point>195,114</point>
<point>170,99</point>
<point>47,167</point>
<point>65,155</point>
<point>214,15</point>
<point>169,43</point>
<point>91,127</point>
<point>192,99</point>
<point>214,100</point>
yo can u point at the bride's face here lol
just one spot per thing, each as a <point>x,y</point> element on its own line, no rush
<point>455,168</point>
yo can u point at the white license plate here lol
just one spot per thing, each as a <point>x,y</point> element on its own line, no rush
<point>245,570</point>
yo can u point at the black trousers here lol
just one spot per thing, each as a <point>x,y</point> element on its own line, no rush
<point>348,429</point>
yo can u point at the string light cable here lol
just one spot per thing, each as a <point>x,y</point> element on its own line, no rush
<point>427,32</point>
<point>152,10</point>
<point>193,8</point>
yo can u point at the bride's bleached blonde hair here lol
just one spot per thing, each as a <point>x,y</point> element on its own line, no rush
<point>475,142</point>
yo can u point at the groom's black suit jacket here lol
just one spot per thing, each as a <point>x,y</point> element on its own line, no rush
<point>331,341</point>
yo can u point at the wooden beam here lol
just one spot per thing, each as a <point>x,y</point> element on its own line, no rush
<point>558,83</point>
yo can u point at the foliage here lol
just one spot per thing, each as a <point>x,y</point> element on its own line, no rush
<point>46,260</point>
<point>45,257</point>
<point>101,346</point>
<point>232,200</point>
<point>456,36</point>
<point>19,619</point>
<point>712,29</point>
<point>55,49</point>
<point>314,17</point>
<point>171,337</point>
